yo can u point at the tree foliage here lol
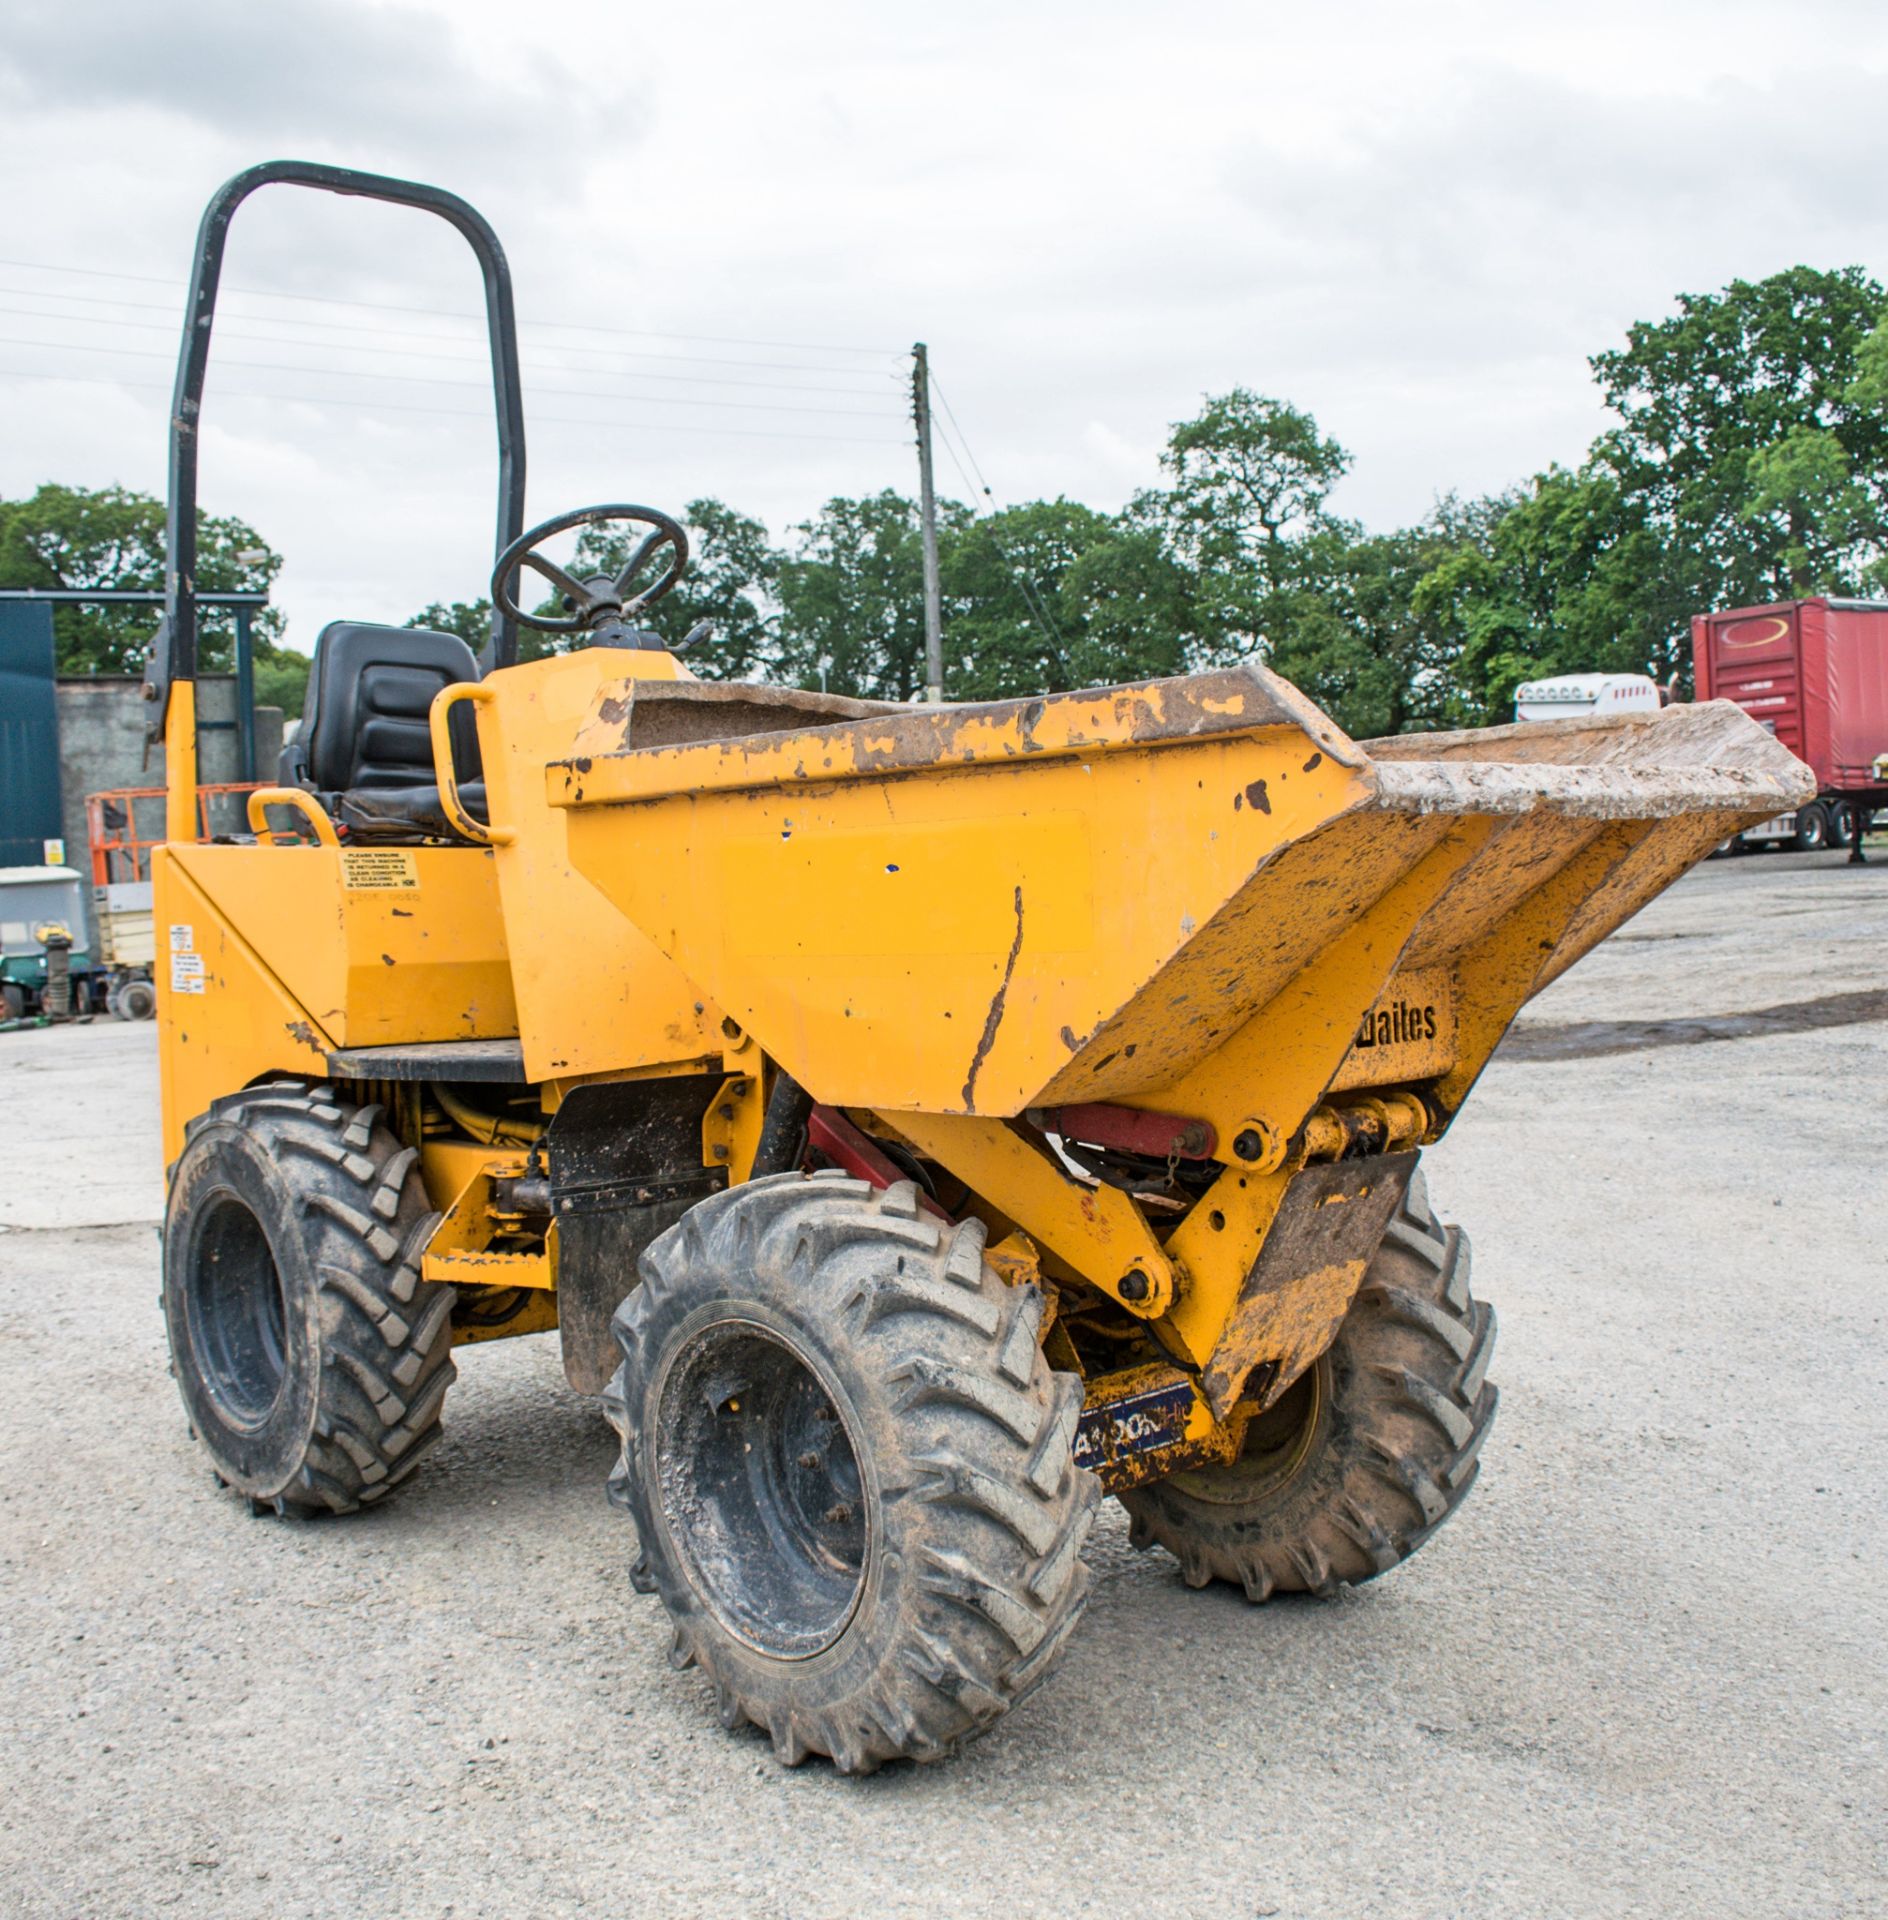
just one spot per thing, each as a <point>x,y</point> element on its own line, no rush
<point>110,538</point>
<point>1747,460</point>
<point>1752,435</point>
<point>852,598</point>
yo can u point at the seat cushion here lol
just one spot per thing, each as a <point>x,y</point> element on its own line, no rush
<point>403,814</point>
<point>369,692</point>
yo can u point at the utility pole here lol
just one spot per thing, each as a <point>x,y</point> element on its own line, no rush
<point>927,515</point>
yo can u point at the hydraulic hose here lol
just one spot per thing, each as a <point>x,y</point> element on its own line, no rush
<point>489,1129</point>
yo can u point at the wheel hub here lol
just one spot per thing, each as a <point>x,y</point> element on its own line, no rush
<point>761,1489</point>
<point>238,1319</point>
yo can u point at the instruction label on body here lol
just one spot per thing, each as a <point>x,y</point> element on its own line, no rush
<point>370,868</point>
<point>186,964</point>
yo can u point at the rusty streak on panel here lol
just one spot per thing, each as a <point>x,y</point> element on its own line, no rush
<point>994,1018</point>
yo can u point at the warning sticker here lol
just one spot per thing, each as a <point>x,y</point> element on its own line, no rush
<point>183,939</point>
<point>364,868</point>
<point>186,972</point>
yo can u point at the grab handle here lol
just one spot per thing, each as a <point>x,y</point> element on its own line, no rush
<point>437,719</point>
<point>310,809</point>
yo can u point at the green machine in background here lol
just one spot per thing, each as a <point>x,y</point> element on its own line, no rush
<point>46,970</point>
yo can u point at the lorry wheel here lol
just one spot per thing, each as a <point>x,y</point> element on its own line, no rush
<point>1812,828</point>
<point>135,1000</point>
<point>311,1356</point>
<point>1367,1453</point>
<point>12,1001</point>
<point>849,1467</point>
<point>1842,824</point>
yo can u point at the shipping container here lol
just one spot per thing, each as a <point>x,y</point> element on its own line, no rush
<point>1815,673</point>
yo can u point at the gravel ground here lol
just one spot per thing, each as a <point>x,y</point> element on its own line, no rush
<point>1641,1673</point>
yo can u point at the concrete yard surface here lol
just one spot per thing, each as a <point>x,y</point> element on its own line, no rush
<point>1642,1673</point>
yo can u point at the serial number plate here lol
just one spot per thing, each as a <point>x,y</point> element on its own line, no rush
<point>1136,1423</point>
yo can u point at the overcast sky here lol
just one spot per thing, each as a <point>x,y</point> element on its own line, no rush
<point>1415,222</point>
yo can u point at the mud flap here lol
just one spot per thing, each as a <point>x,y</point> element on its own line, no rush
<point>1329,1225</point>
<point>624,1167</point>
<point>596,1269</point>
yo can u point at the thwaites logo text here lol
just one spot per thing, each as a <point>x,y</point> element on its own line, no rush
<point>1400,1021</point>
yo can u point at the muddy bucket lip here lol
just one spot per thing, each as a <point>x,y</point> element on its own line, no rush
<point>1710,757</point>
<point>1186,708</point>
<point>1584,793</point>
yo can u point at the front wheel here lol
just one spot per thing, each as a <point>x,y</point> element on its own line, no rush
<point>1812,828</point>
<point>311,1356</point>
<point>850,1469</point>
<point>1366,1454</point>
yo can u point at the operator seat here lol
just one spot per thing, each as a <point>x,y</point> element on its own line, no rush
<point>364,748</point>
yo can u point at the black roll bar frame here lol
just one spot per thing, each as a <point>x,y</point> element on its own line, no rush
<point>174,650</point>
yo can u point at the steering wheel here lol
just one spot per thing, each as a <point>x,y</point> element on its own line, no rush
<point>600,602</point>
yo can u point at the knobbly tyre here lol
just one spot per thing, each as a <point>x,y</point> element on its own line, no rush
<point>914,1122</point>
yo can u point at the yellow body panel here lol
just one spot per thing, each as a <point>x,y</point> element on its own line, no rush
<point>946,941</point>
<point>594,994</point>
<point>223,1019</point>
<point>379,944</point>
<point>1090,897</point>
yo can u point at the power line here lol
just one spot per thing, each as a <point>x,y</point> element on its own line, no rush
<point>460,313</point>
<point>478,358</point>
<point>591,420</point>
<point>439,380</point>
<point>962,435</point>
<point>1033,599</point>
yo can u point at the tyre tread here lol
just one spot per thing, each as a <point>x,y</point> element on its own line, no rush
<point>1420,1411</point>
<point>995,1501</point>
<point>385,1360</point>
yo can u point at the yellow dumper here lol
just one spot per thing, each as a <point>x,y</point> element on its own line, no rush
<point>915,1122</point>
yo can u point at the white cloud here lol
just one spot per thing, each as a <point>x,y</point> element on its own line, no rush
<point>1417,226</point>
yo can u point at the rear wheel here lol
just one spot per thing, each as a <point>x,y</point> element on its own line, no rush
<point>1367,1453</point>
<point>1842,824</point>
<point>311,1356</point>
<point>850,1469</point>
<point>1812,828</point>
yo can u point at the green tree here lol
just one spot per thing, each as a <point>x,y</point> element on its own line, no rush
<point>282,681</point>
<point>1131,609</point>
<point>852,597</point>
<point>1359,644</point>
<point>1566,574</point>
<point>1753,439</point>
<point>1247,482</point>
<point>112,538</point>
<point>1808,506</point>
<point>1020,594</point>
<point>471,620</point>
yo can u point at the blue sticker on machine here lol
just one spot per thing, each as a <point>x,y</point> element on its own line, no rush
<point>1136,1423</point>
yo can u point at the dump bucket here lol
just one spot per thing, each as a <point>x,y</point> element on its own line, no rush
<point>1087,897</point>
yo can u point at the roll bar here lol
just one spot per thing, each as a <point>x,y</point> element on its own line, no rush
<point>174,650</point>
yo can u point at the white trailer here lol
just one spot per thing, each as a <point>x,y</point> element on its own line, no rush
<point>1572,696</point>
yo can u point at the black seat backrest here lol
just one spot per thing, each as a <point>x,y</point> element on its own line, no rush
<point>369,692</point>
